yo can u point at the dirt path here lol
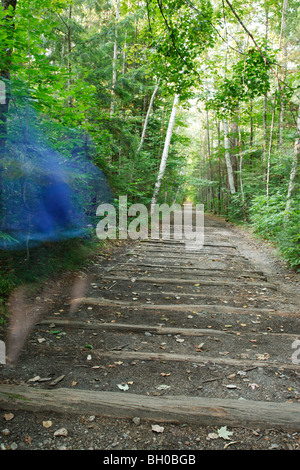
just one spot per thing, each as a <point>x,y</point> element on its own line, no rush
<point>200,344</point>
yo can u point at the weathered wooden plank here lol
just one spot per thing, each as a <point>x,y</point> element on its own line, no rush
<point>180,243</point>
<point>245,272</point>
<point>156,330</point>
<point>100,301</point>
<point>162,280</point>
<point>163,409</point>
<point>197,359</point>
<point>196,271</point>
<point>185,295</point>
<point>190,255</point>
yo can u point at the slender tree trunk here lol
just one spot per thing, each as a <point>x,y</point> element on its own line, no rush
<point>228,159</point>
<point>147,116</point>
<point>270,150</point>
<point>210,193</point>
<point>265,128</point>
<point>265,110</point>
<point>282,43</point>
<point>251,125</point>
<point>295,165</point>
<point>241,172</point>
<point>115,56</point>
<point>234,146</point>
<point>220,169</point>
<point>69,53</point>
<point>165,153</point>
<point>124,54</point>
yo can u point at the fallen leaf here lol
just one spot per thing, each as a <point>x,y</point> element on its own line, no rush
<point>224,433</point>
<point>163,387</point>
<point>212,435</point>
<point>241,372</point>
<point>9,416</point>
<point>34,379</point>
<point>123,387</point>
<point>61,432</point>
<point>263,357</point>
<point>57,380</point>
<point>231,376</point>
<point>157,428</point>
<point>47,424</point>
<point>253,386</point>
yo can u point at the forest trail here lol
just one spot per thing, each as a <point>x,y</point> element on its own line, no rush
<point>192,341</point>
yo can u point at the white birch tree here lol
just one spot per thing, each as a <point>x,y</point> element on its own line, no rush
<point>115,56</point>
<point>148,115</point>
<point>165,153</point>
<point>228,159</point>
<point>295,164</point>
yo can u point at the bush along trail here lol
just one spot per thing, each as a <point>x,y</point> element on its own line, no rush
<point>156,347</point>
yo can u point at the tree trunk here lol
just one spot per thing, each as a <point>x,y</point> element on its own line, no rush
<point>147,116</point>
<point>270,150</point>
<point>228,159</point>
<point>210,192</point>
<point>114,74</point>
<point>234,150</point>
<point>165,153</point>
<point>284,68</point>
<point>69,54</point>
<point>295,165</point>
<point>241,172</point>
<point>265,128</point>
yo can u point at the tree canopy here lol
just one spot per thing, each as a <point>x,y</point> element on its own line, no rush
<point>101,76</point>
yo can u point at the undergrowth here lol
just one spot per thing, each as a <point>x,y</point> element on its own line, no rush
<point>18,268</point>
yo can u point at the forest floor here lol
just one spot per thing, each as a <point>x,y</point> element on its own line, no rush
<point>159,333</point>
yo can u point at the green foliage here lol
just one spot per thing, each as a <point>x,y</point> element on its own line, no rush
<point>267,214</point>
<point>22,268</point>
<point>270,220</point>
<point>289,239</point>
<point>250,77</point>
<point>180,32</point>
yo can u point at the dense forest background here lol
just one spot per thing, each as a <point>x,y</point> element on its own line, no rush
<point>113,72</point>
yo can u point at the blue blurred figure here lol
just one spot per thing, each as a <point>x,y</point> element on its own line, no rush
<point>53,216</point>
